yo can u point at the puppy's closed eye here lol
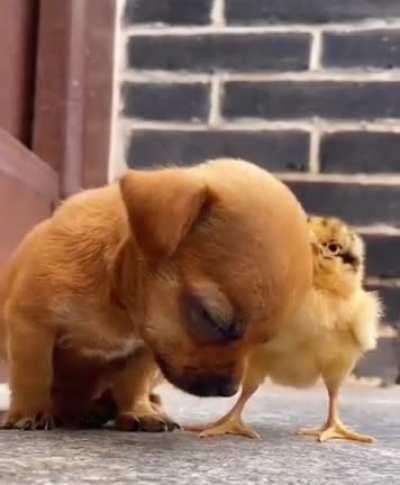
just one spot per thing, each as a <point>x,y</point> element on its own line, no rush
<point>212,321</point>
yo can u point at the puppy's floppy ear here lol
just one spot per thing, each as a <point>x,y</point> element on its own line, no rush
<point>162,207</point>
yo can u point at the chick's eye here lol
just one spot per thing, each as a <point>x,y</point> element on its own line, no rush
<point>334,248</point>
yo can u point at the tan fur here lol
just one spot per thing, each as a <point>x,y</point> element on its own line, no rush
<point>120,269</point>
<point>333,325</point>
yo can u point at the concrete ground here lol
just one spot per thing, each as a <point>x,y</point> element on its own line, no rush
<point>280,457</point>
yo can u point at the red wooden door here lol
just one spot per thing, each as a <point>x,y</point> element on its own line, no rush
<point>28,192</point>
<point>28,185</point>
<point>56,65</point>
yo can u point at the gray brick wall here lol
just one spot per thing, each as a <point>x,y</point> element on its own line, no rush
<point>307,89</point>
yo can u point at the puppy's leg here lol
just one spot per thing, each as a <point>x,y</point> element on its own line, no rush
<point>104,409</point>
<point>232,422</point>
<point>30,353</point>
<point>154,397</point>
<point>132,394</point>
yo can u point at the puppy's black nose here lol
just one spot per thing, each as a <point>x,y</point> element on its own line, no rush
<point>227,389</point>
<point>212,386</point>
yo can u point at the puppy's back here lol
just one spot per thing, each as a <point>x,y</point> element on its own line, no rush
<point>71,252</point>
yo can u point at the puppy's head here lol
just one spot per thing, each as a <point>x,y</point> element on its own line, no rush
<point>339,255</point>
<point>225,254</point>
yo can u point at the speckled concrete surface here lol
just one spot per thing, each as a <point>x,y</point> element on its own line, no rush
<point>280,457</point>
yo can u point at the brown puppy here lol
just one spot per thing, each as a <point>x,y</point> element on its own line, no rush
<point>192,266</point>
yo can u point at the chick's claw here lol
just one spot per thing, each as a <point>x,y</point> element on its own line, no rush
<point>230,427</point>
<point>309,431</point>
<point>336,431</point>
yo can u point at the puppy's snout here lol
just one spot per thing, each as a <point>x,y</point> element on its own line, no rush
<point>213,386</point>
<point>202,383</point>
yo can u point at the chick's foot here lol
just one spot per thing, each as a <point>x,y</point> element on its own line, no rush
<point>228,427</point>
<point>336,430</point>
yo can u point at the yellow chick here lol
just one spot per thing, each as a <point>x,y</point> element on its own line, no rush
<point>333,326</point>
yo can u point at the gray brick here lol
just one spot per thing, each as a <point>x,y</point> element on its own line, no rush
<point>174,12</point>
<point>325,99</point>
<point>209,53</point>
<point>391,301</point>
<point>159,101</point>
<point>383,256</point>
<point>378,49</point>
<point>355,203</point>
<point>274,150</point>
<point>360,152</point>
<point>244,12</point>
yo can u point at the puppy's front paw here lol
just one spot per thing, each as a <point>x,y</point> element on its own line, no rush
<point>28,421</point>
<point>152,423</point>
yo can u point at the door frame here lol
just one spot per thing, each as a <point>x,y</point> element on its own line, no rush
<point>74,87</point>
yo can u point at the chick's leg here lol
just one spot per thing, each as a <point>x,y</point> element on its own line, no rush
<point>334,427</point>
<point>232,422</point>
